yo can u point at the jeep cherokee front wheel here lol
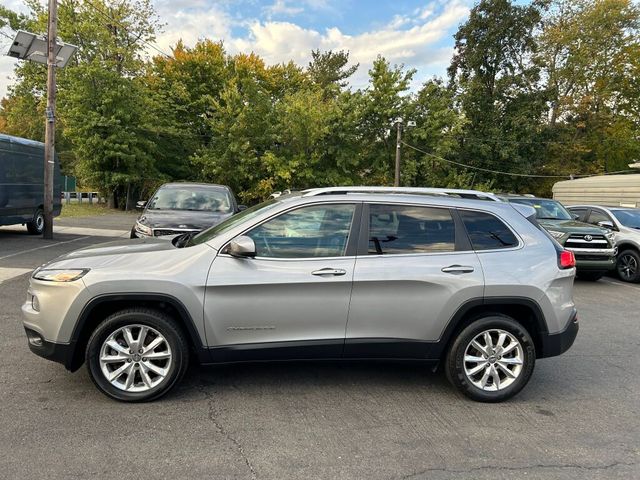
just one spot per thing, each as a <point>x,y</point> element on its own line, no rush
<point>137,355</point>
<point>492,359</point>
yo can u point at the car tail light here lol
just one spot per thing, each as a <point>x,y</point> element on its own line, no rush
<point>566,259</point>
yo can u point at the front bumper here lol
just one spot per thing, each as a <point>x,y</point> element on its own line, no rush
<point>56,352</point>
<point>557,343</point>
<point>595,259</point>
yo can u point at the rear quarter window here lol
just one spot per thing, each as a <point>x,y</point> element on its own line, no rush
<point>487,232</point>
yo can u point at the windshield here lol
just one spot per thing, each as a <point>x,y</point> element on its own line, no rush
<point>545,209</point>
<point>231,222</point>
<point>191,198</point>
<point>628,218</point>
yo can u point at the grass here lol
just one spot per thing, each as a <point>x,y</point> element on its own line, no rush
<point>86,209</point>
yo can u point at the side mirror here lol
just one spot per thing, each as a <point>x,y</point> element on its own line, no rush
<point>575,216</point>
<point>242,247</point>
<point>242,207</point>
<point>140,204</point>
<point>606,224</point>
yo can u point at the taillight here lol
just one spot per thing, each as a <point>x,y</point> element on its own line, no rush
<point>566,259</point>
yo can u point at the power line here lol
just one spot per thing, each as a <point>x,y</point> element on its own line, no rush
<point>110,18</point>
<point>499,172</point>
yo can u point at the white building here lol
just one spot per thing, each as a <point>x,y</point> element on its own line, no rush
<point>606,190</point>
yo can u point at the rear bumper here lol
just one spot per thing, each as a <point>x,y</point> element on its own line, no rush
<point>557,343</point>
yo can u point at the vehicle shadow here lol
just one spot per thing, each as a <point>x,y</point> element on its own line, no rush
<point>309,375</point>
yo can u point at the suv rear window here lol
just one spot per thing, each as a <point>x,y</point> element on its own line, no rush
<point>487,232</point>
<point>397,229</point>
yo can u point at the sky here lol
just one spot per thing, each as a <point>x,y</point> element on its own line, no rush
<point>416,33</point>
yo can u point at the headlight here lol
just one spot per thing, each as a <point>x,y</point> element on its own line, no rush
<point>610,236</point>
<point>143,229</point>
<point>55,275</point>
<point>555,234</point>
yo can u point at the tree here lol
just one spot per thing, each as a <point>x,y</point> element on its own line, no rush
<point>590,52</point>
<point>498,89</point>
<point>329,71</point>
<point>385,99</point>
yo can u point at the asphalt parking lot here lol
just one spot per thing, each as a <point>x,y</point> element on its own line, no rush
<point>577,418</point>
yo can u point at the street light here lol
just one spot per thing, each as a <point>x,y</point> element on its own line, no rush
<point>29,46</point>
<point>47,51</point>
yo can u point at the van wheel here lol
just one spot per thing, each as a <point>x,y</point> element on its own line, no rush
<point>137,355</point>
<point>492,359</point>
<point>628,266</point>
<point>36,226</point>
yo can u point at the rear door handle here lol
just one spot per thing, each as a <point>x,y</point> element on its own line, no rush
<point>458,269</point>
<point>329,271</point>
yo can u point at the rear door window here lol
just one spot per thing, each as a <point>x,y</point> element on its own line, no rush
<point>487,232</point>
<point>398,229</point>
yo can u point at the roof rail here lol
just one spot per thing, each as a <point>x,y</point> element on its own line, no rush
<point>454,192</point>
<point>516,195</point>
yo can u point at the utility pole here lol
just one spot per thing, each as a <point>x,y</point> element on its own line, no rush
<point>396,178</point>
<point>50,129</point>
<point>399,123</point>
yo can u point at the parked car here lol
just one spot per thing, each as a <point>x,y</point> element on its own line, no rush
<point>625,223</point>
<point>475,286</point>
<point>178,208</point>
<point>22,184</point>
<point>593,246</point>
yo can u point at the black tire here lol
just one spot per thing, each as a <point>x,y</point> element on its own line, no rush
<point>133,233</point>
<point>628,266</point>
<point>36,225</point>
<point>454,363</point>
<point>590,276</point>
<point>157,320</point>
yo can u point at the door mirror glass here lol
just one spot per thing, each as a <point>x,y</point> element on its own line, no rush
<point>242,247</point>
<point>606,224</point>
<point>140,204</point>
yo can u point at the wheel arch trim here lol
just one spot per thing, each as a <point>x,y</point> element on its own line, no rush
<point>460,316</point>
<point>75,360</point>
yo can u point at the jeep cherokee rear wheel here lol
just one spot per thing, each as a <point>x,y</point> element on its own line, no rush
<point>137,355</point>
<point>492,359</point>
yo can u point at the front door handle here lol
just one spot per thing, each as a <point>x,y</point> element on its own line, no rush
<point>329,271</point>
<point>458,269</point>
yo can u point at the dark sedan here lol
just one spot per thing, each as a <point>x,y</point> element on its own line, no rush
<point>178,208</point>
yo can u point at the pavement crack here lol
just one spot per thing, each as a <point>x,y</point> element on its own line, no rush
<point>519,468</point>
<point>212,415</point>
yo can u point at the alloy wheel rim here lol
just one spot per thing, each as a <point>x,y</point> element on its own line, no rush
<point>493,360</point>
<point>628,266</point>
<point>135,358</point>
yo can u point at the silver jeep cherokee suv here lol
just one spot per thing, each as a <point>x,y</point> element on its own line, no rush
<point>350,272</point>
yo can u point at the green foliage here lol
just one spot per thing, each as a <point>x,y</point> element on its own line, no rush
<point>329,71</point>
<point>546,88</point>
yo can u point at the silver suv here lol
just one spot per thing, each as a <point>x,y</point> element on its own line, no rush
<point>350,273</point>
<point>624,222</point>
